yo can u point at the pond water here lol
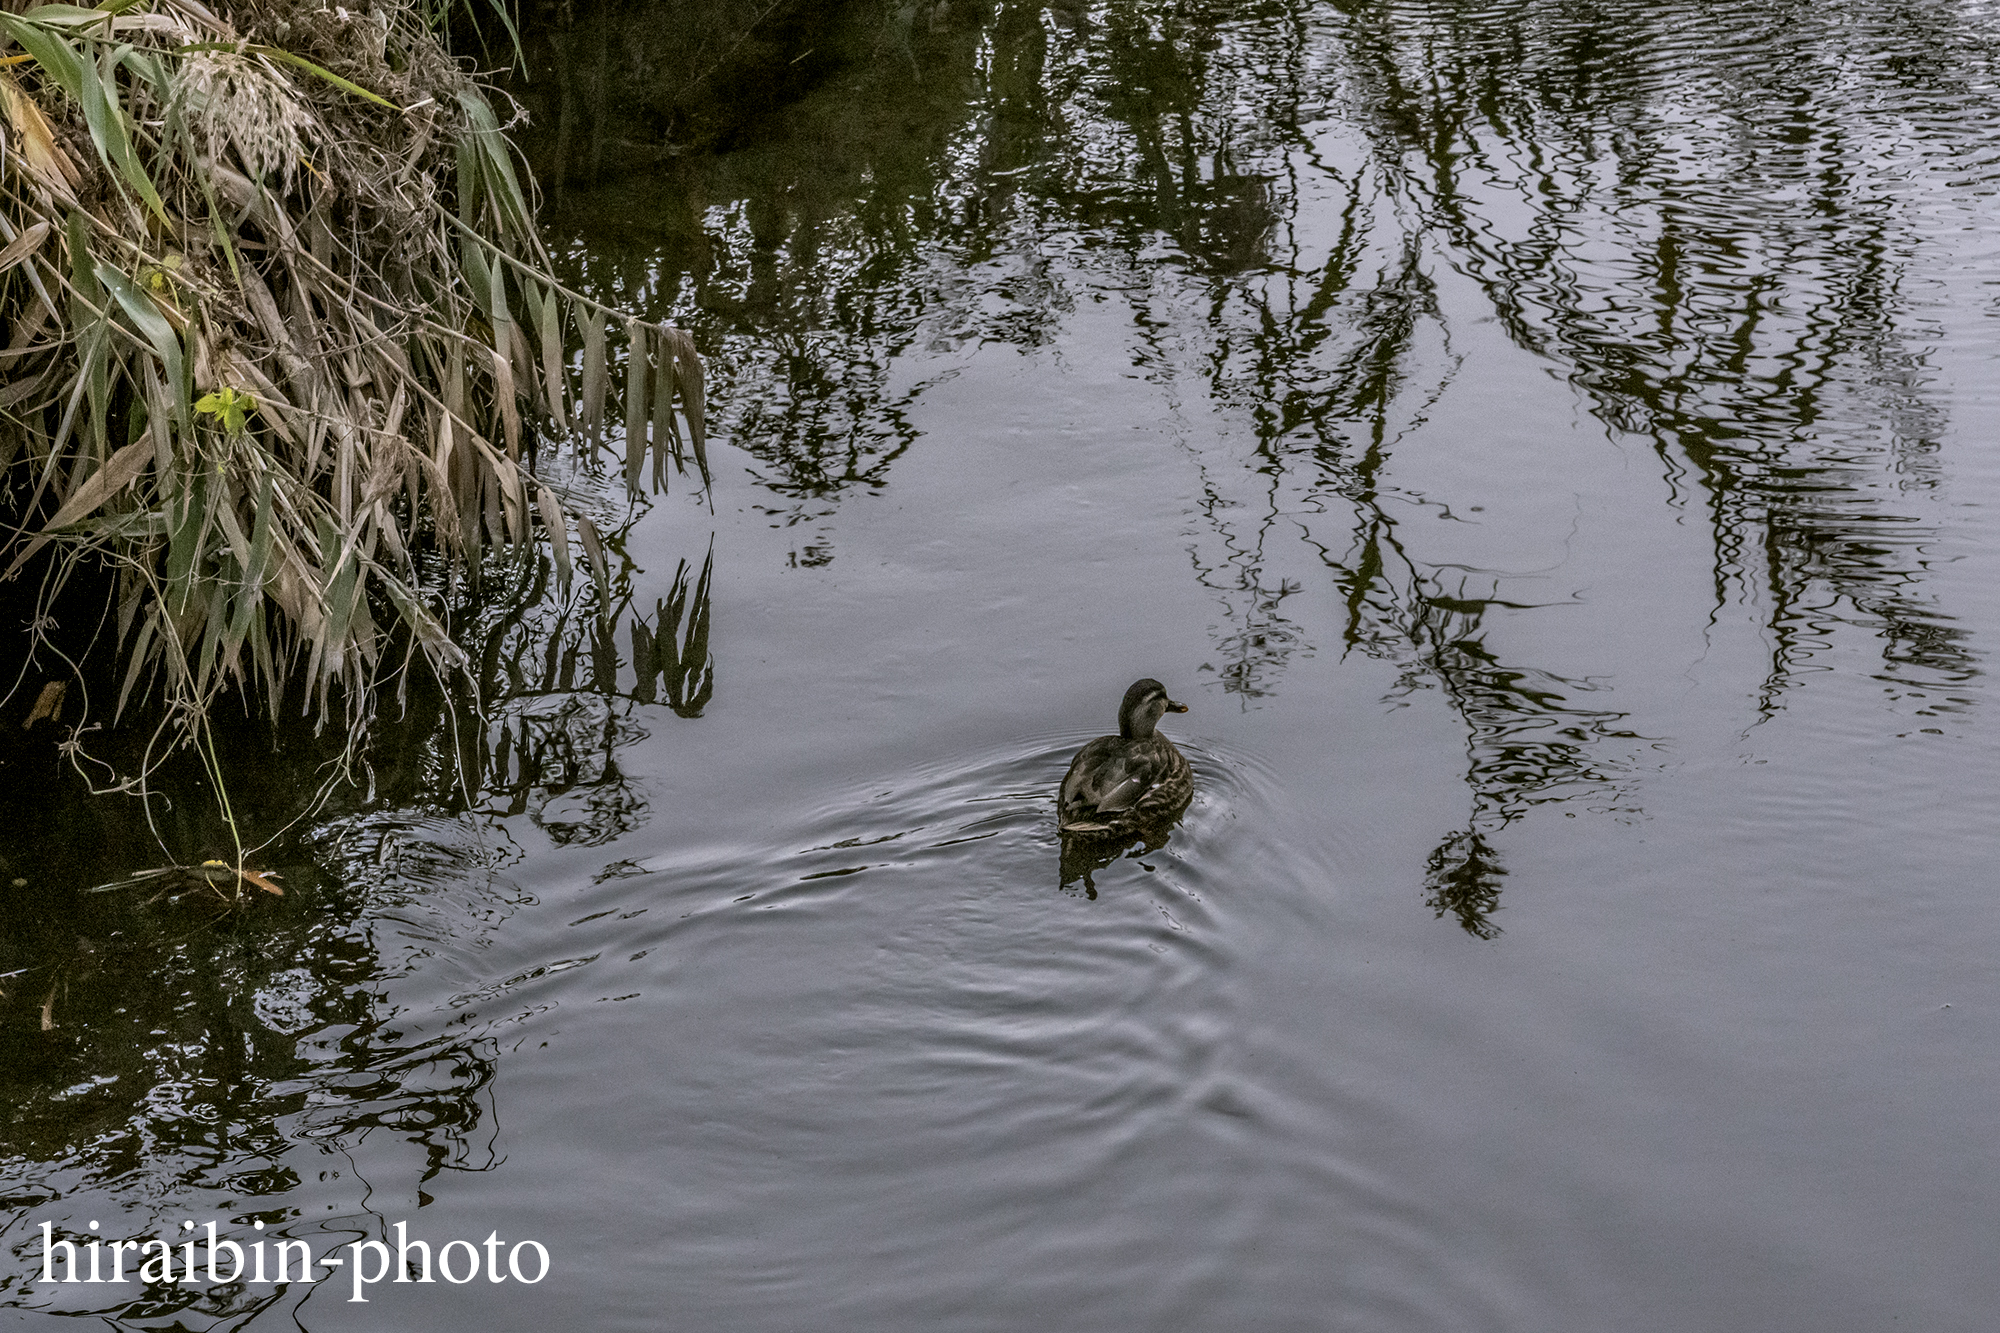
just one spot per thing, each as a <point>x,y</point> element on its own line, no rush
<point>1549,446</point>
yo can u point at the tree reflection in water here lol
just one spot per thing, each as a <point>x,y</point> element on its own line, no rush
<point>1307,212</point>
<point>1280,193</point>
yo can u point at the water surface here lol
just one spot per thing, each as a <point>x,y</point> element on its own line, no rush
<point>1547,444</point>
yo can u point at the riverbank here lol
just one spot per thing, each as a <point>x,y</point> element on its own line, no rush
<point>281,341</point>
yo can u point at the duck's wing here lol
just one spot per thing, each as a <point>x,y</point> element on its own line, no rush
<point>1106,780</point>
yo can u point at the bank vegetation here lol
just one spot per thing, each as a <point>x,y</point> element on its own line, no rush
<point>277,342</point>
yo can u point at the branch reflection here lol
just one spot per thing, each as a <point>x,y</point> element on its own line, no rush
<point>1313,214</point>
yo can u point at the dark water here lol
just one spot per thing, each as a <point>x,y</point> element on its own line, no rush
<point>1549,445</point>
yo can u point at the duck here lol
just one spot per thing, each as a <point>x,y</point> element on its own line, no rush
<point>1119,784</point>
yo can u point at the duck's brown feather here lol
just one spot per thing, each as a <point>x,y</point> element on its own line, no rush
<point>1115,784</point>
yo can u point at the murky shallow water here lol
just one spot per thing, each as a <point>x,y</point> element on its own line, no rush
<point>1550,449</point>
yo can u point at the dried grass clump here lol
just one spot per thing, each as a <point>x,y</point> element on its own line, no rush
<point>273,309</point>
<point>232,101</point>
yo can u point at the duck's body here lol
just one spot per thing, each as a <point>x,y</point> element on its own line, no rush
<point>1118,784</point>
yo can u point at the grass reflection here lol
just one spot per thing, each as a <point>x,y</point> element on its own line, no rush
<point>562,685</point>
<point>167,1055</point>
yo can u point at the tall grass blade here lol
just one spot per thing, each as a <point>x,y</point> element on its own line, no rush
<point>558,530</point>
<point>694,403</point>
<point>586,532</point>
<point>555,369</point>
<point>258,458</point>
<point>635,405</point>
<point>594,375</point>
<point>666,435</point>
<point>157,331</point>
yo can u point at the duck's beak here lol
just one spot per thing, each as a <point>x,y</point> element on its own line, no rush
<point>1173,707</point>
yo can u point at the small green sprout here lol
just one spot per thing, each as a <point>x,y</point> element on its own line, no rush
<point>230,408</point>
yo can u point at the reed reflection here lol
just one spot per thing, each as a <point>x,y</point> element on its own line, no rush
<point>1758,332</point>
<point>167,1055</point>
<point>564,680</point>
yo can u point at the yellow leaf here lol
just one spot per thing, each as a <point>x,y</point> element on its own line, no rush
<point>118,472</point>
<point>257,881</point>
<point>48,704</point>
<point>36,143</point>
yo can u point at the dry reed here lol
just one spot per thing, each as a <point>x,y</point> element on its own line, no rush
<point>277,322</point>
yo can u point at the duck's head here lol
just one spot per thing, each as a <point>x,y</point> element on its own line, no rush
<point>1144,704</point>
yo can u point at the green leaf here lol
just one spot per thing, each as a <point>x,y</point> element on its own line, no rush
<point>76,16</point>
<point>58,59</point>
<point>635,405</point>
<point>159,333</point>
<point>187,513</point>
<point>554,371</point>
<point>250,597</point>
<point>478,278</point>
<point>108,130</point>
<point>229,407</point>
<point>558,530</point>
<point>487,146</point>
<point>139,658</point>
<point>145,65</point>
<point>339,599</point>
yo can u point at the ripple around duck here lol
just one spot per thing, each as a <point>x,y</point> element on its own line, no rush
<point>887,1030</point>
